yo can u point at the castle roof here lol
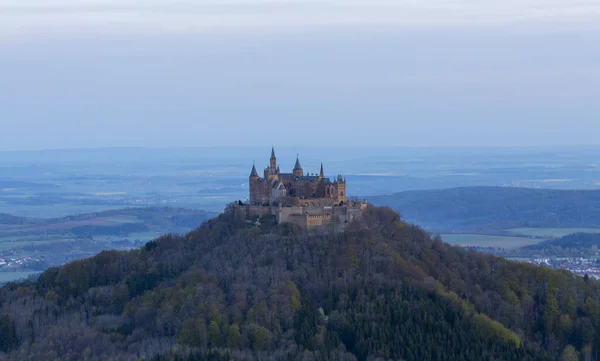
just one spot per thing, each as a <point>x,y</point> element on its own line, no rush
<point>311,178</point>
<point>254,173</point>
<point>297,166</point>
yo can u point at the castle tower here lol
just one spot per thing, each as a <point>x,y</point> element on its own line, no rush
<point>298,172</point>
<point>322,174</point>
<point>255,190</point>
<point>340,189</point>
<point>273,160</point>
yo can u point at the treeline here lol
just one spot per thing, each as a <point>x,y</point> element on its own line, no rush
<point>489,209</point>
<point>382,290</point>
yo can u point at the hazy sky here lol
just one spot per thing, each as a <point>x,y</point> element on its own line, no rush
<point>95,73</point>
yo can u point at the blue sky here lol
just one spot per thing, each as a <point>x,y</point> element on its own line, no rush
<point>162,73</point>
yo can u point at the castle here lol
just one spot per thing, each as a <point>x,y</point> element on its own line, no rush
<point>309,201</point>
<point>276,185</point>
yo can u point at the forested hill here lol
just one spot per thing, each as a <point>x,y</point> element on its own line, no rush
<point>496,208</point>
<point>12,220</point>
<point>231,289</point>
<point>575,241</point>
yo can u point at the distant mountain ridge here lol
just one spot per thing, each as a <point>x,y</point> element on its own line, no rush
<point>480,209</point>
<point>576,241</point>
<point>10,219</point>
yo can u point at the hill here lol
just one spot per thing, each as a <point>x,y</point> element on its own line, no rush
<point>572,244</point>
<point>490,209</point>
<point>231,289</point>
<point>12,220</point>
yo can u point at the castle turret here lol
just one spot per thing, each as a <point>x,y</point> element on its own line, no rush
<point>298,172</point>
<point>254,173</point>
<point>255,194</point>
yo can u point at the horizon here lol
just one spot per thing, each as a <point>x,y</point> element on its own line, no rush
<point>320,147</point>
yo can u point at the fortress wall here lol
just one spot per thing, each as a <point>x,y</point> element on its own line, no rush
<point>317,202</point>
<point>316,214</point>
<point>284,213</point>
<point>297,219</point>
<point>260,211</point>
<point>317,221</point>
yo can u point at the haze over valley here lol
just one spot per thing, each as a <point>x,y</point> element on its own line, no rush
<point>121,198</point>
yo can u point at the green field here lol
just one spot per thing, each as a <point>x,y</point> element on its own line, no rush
<point>9,245</point>
<point>483,240</point>
<point>123,219</point>
<point>550,232</point>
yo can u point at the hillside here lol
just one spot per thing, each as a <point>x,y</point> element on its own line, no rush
<point>232,290</point>
<point>572,243</point>
<point>489,209</point>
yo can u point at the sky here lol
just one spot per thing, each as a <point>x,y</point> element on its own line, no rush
<point>157,73</point>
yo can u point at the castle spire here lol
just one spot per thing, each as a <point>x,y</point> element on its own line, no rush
<point>322,174</point>
<point>273,160</point>
<point>254,173</point>
<point>298,172</point>
<point>297,166</point>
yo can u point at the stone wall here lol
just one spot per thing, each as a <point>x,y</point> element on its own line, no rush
<point>317,221</point>
<point>310,215</point>
<point>284,213</point>
<point>252,211</point>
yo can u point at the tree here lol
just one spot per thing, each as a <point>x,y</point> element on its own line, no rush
<point>8,337</point>
<point>214,334</point>
<point>570,354</point>
<point>261,338</point>
<point>233,336</point>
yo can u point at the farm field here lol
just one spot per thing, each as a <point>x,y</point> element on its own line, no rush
<point>483,240</point>
<point>549,232</point>
<point>34,244</point>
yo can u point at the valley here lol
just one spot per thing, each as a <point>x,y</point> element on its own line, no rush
<point>29,246</point>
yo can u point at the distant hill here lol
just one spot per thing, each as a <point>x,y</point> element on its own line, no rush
<point>575,242</point>
<point>481,209</point>
<point>235,290</point>
<point>13,220</point>
<point>164,219</point>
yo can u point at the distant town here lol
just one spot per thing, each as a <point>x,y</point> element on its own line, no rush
<point>579,265</point>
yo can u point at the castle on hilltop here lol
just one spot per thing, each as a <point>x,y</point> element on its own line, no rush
<point>276,185</point>
<point>309,201</point>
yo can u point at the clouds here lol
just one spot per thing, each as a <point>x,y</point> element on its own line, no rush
<point>71,17</point>
<point>434,87</point>
<point>433,72</point>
